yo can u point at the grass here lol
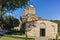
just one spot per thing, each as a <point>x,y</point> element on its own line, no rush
<point>13,38</point>
<point>9,38</point>
<point>58,34</point>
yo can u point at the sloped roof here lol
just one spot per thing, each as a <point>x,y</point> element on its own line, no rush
<point>39,18</point>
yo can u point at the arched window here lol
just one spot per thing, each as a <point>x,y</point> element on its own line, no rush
<point>42,29</point>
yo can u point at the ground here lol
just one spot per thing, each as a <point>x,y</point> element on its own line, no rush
<point>12,38</point>
<point>9,38</point>
<point>16,36</point>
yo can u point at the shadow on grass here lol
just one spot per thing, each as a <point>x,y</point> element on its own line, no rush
<point>15,32</point>
<point>18,37</point>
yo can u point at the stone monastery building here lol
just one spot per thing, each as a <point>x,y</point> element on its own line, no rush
<point>35,26</point>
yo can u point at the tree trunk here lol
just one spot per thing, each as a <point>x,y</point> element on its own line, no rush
<point>0,10</point>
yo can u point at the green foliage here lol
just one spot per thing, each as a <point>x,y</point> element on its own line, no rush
<point>50,39</point>
<point>10,22</point>
<point>33,38</point>
<point>56,37</point>
<point>12,4</point>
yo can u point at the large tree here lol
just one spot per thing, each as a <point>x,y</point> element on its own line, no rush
<point>7,5</point>
<point>10,22</point>
<point>12,4</point>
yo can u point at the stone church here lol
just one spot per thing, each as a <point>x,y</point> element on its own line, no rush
<point>37,27</point>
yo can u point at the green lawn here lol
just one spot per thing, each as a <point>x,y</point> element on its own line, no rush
<point>9,38</point>
<point>12,38</point>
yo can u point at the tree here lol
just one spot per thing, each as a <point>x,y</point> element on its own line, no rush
<point>10,22</point>
<point>12,4</point>
<point>9,5</point>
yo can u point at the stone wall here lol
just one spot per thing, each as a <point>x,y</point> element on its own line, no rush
<point>51,29</point>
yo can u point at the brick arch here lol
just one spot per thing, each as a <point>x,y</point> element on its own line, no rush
<point>42,29</point>
<point>33,18</point>
<point>42,24</point>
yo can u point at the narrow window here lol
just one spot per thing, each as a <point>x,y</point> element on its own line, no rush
<point>42,32</point>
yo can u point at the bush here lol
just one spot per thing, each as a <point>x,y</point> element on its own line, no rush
<point>56,37</point>
<point>50,39</point>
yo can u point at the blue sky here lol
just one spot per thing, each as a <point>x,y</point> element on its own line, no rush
<point>47,9</point>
